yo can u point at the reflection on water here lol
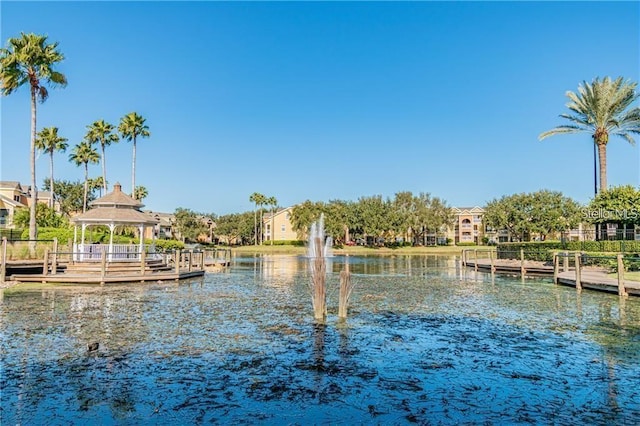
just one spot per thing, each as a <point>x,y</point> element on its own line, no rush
<point>426,341</point>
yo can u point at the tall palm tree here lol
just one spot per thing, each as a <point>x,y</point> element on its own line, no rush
<point>48,141</point>
<point>83,154</point>
<point>273,202</point>
<point>258,199</point>
<point>601,108</point>
<point>30,60</point>
<point>141,193</point>
<point>131,126</point>
<point>100,132</point>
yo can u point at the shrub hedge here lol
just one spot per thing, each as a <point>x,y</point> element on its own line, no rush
<point>543,250</point>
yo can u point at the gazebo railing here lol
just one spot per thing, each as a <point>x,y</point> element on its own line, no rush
<point>115,252</point>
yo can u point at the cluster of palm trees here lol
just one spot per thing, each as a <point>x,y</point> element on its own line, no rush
<point>103,134</point>
<point>30,60</point>
<point>261,200</point>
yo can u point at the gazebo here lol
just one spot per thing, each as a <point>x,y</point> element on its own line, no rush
<point>112,210</point>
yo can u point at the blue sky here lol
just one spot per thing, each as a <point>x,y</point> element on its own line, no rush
<point>327,100</point>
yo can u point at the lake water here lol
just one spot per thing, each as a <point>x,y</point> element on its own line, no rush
<point>426,342</point>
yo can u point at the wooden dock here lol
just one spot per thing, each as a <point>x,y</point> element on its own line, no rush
<point>171,267</point>
<point>598,280</point>
<point>578,275</point>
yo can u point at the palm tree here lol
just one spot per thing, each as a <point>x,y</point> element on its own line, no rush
<point>30,60</point>
<point>131,126</point>
<point>258,199</point>
<point>273,202</point>
<point>83,154</point>
<point>48,141</point>
<point>601,108</point>
<point>99,184</point>
<point>141,193</point>
<point>100,132</point>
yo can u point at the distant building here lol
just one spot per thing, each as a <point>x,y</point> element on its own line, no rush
<point>467,226</point>
<point>14,196</point>
<point>282,228</point>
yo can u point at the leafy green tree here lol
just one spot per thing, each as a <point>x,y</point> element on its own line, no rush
<point>304,214</point>
<point>340,220</point>
<point>82,155</point>
<point>131,127</point>
<point>189,224</point>
<point>376,216</point>
<point>102,133</point>
<point>236,226</point>
<point>552,212</point>
<point>539,213</point>
<point>601,108</point>
<point>620,204</point>
<point>70,195</point>
<point>46,217</point>
<point>30,61</point>
<point>50,142</point>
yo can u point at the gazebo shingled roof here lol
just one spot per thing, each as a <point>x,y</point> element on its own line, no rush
<point>115,207</point>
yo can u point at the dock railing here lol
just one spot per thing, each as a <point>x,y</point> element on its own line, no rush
<point>609,269</point>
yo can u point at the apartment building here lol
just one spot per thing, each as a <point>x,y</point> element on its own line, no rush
<point>15,196</point>
<point>278,229</point>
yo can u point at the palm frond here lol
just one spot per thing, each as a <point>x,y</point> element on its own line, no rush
<point>563,129</point>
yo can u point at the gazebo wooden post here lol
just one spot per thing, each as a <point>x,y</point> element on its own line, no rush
<point>141,243</point>
<point>81,246</point>
<point>112,228</point>
<point>74,247</point>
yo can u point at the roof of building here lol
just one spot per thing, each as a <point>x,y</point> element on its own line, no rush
<point>117,208</point>
<point>10,184</point>
<point>14,203</point>
<point>116,198</point>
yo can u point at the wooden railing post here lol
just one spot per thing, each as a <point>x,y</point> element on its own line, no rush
<point>3,265</point>
<point>578,271</point>
<point>523,271</point>
<point>190,260</point>
<point>143,261</point>
<point>45,266</point>
<point>491,262</point>
<point>177,261</point>
<point>565,262</point>
<point>556,266</point>
<point>103,266</point>
<point>475,259</point>
<point>464,257</point>
<point>54,260</point>
<point>621,290</point>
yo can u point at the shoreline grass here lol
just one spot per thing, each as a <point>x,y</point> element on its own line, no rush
<point>355,250</point>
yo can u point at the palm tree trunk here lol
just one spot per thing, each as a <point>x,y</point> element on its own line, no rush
<point>602,159</point>
<point>86,187</point>
<point>52,202</point>
<point>104,170</point>
<point>33,230</point>
<point>133,170</point>
<point>261,222</point>
<point>255,226</point>
<point>273,231</point>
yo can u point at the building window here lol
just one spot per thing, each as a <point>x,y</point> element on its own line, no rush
<point>16,198</point>
<point>282,228</point>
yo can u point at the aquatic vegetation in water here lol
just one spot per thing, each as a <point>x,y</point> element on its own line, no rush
<point>426,342</point>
